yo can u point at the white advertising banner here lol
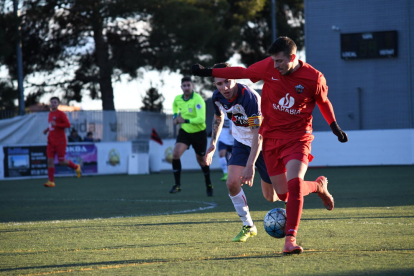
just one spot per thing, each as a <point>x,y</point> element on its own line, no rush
<point>113,157</point>
<point>161,157</point>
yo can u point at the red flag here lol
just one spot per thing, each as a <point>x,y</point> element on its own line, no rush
<point>155,137</point>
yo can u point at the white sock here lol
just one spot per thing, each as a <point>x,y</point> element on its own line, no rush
<point>240,204</point>
<point>223,163</point>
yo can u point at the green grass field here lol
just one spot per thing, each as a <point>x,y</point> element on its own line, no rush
<point>131,225</point>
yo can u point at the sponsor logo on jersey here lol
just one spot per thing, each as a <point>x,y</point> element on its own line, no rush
<point>285,105</point>
<point>240,120</point>
<point>190,110</point>
<point>299,88</point>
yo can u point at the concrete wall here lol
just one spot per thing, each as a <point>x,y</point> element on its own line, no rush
<point>366,93</point>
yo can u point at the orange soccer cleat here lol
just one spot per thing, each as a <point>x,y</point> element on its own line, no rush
<point>323,193</point>
<point>78,171</point>
<point>291,247</point>
<point>49,184</point>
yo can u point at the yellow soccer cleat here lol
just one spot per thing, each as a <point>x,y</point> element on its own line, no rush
<point>78,171</point>
<point>245,233</point>
<point>224,178</point>
<point>49,184</point>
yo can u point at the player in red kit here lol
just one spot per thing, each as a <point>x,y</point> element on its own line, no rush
<point>56,142</point>
<point>290,91</point>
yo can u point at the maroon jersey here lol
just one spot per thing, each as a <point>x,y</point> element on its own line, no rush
<point>57,132</point>
<point>287,100</point>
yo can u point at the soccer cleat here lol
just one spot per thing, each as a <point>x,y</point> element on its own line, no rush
<point>49,184</point>
<point>209,190</point>
<point>245,233</point>
<point>78,171</point>
<point>291,247</point>
<point>224,178</point>
<point>175,189</point>
<point>323,193</point>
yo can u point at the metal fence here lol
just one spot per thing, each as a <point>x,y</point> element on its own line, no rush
<point>108,126</point>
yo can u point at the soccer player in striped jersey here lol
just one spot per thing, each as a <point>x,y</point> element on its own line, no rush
<point>290,92</point>
<point>241,105</point>
<point>190,112</point>
<point>56,142</point>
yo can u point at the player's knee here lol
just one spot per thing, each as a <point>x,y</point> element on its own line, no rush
<point>233,186</point>
<point>201,161</point>
<point>176,155</point>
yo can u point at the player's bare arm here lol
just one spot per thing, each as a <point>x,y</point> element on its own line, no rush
<point>247,175</point>
<point>217,127</point>
<point>216,130</point>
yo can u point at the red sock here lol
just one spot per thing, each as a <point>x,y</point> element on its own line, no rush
<point>72,165</point>
<point>283,197</point>
<point>298,188</point>
<point>309,187</point>
<point>294,206</point>
<point>51,174</point>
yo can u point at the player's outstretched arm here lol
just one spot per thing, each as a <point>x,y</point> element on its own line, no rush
<point>199,70</point>
<point>327,111</point>
<point>46,131</point>
<point>229,72</point>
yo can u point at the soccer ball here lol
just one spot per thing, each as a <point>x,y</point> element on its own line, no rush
<point>275,222</point>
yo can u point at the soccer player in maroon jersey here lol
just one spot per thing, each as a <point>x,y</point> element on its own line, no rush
<point>290,91</point>
<point>56,142</point>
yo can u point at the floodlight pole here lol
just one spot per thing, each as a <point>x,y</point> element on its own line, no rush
<point>274,20</point>
<point>19,60</point>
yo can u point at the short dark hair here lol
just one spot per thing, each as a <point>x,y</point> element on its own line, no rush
<point>74,130</point>
<point>221,65</point>
<point>89,133</point>
<point>186,79</point>
<point>55,98</point>
<point>283,44</point>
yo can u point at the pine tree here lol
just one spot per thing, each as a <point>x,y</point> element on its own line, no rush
<point>153,101</point>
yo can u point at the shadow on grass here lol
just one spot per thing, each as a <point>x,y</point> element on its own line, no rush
<point>126,263</point>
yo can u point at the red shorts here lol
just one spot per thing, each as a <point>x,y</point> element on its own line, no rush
<point>56,148</point>
<point>278,152</point>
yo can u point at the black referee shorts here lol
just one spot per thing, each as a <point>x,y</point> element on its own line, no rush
<point>197,139</point>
